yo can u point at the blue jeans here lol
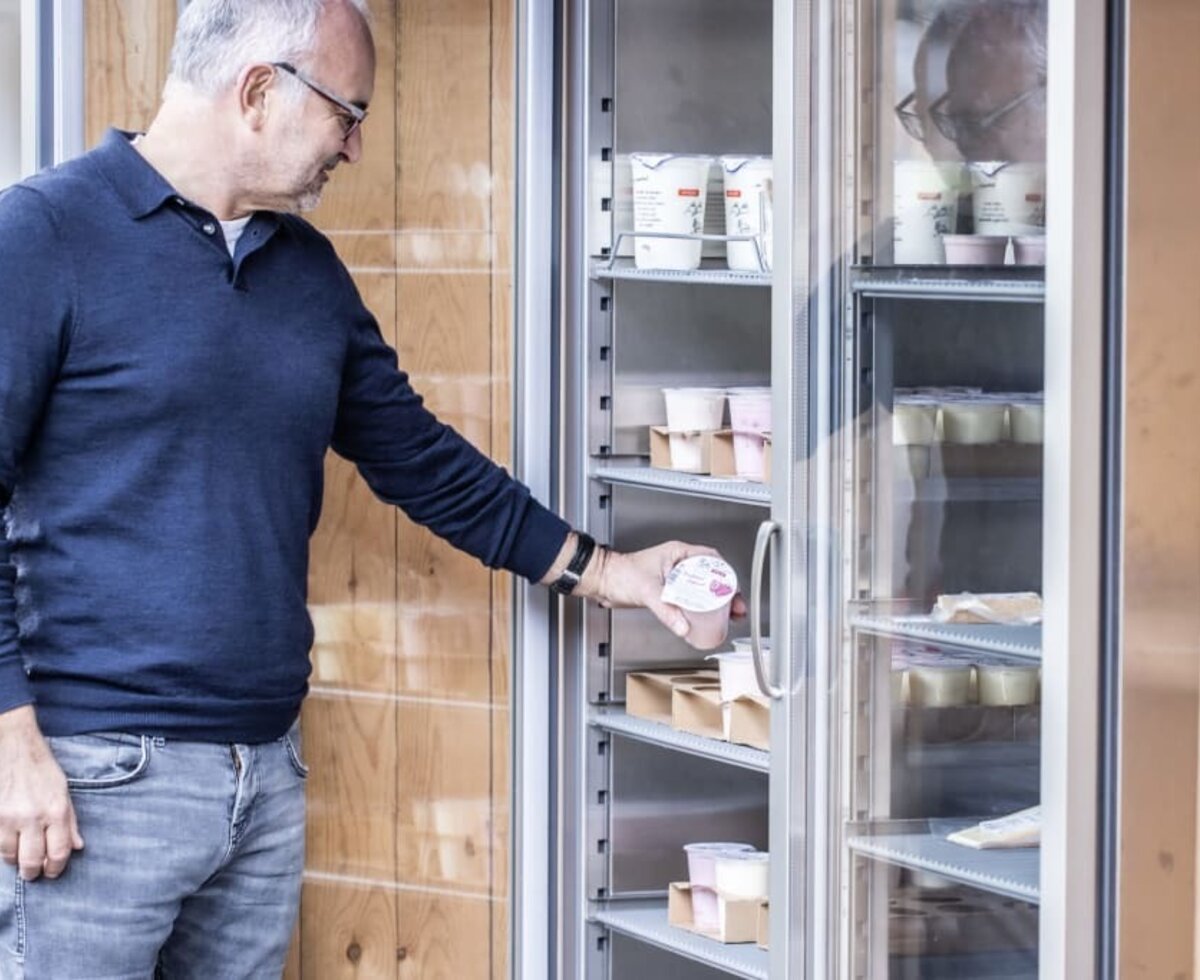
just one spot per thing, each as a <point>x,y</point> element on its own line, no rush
<point>192,864</point>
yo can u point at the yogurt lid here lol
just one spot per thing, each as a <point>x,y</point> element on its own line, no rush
<point>653,161</point>
<point>702,583</point>
<point>719,846</point>
<point>759,857</point>
<point>733,164</point>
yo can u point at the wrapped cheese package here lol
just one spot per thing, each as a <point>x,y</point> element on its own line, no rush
<point>1020,829</point>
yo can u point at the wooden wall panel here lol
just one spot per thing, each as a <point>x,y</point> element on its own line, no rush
<point>127,44</point>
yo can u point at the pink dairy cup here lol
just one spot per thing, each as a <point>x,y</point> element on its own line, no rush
<point>1029,250</point>
<point>975,249</point>
<point>702,860</point>
<point>750,419</point>
<point>706,914</point>
<point>703,586</point>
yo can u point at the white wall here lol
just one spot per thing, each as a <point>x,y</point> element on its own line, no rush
<point>10,91</point>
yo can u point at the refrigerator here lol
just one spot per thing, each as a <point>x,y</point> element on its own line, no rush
<point>933,398</point>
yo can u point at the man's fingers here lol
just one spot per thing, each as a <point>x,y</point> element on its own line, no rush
<point>8,846</point>
<point>31,852</point>
<point>58,848</point>
<point>76,836</point>
<point>671,617</point>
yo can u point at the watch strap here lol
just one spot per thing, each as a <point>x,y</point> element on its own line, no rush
<point>585,545</point>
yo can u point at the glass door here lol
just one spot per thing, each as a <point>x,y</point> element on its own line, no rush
<point>939,481</point>
<point>16,70</point>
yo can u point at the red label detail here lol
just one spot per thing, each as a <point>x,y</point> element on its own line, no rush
<point>689,192</point>
<point>1033,198</point>
<point>733,193</point>
<point>929,196</point>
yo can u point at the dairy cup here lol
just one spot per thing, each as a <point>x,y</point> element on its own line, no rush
<point>939,687</point>
<point>694,409</point>
<point>1029,250</point>
<point>703,586</point>
<point>736,672</point>
<point>743,874</point>
<point>914,421</point>
<point>1027,421</point>
<point>748,211</point>
<point>975,249</point>
<point>750,419</point>
<point>1007,685</point>
<point>973,421</point>
<point>706,909</point>
<point>669,194</point>
<point>1008,198</point>
<point>742,644</point>
<point>702,857</point>
<point>926,208</point>
<point>686,452</point>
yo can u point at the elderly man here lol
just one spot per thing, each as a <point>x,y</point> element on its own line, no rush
<point>177,353</point>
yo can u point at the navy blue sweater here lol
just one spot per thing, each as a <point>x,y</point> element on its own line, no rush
<point>165,412</point>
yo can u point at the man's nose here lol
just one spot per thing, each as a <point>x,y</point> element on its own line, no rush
<point>352,147</point>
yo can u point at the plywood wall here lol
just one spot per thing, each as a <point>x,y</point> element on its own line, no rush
<point>406,729</point>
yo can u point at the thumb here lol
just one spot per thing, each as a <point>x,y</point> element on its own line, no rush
<point>671,617</point>
<point>76,837</point>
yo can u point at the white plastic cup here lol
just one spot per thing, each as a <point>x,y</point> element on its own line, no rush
<point>939,687</point>
<point>926,208</point>
<point>1029,250</point>
<point>736,673</point>
<point>750,419</point>
<point>1009,198</point>
<point>742,644</point>
<point>743,874</point>
<point>975,249</point>
<point>702,858</point>
<point>669,195</point>
<point>748,211</point>
<point>703,586</point>
<point>686,451</point>
<point>694,409</point>
<point>914,422</point>
<point>973,422</point>
<point>1027,422</point>
<point>706,909</point>
<point>1007,685</point>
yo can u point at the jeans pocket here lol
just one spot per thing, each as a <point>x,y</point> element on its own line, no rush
<point>12,918</point>
<point>101,760</point>
<point>291,742</point>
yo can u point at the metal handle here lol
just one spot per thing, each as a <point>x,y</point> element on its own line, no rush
<point>762,544</point>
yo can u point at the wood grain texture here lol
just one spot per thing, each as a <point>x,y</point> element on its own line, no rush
<point>127,47</point>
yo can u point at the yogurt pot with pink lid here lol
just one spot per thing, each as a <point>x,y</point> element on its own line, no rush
<point>703,586</point>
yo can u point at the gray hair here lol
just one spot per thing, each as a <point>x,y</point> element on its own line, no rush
<point>216,39</point>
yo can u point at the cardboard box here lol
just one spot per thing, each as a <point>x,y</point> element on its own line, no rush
<point>697,709</point>
<point>648,693</point>
<point>749,721</point>
<point>737,917</point>
<point>721,459</point>
<point>764,925</point>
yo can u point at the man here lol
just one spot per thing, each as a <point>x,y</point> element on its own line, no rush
<point>177,353</point>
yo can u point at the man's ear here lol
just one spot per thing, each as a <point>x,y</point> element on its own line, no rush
<point>256,92</point>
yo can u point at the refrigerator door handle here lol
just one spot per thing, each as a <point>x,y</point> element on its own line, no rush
<point>762,545</point>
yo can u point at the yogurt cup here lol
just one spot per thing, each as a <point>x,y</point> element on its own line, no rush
<point>1029,250</point>
<point>973,421</point>
<point>742,644</point>
<point>1008,198</point>
<point>926,209</point>
<point>1027,421</point>
<point>1007,685</point>
<point>669,195</point>
<point>702,858</point>
<point>694,409</point>
<point>748,211</point>
<point>939,687</point>
<point>750,419</point>
<point>914,422</point>
<point>703,586</point>
<point>736,672</point>
<point>743,874</point>
<point>687,452</point>
<point>975,249</point>
<point>706,909</point>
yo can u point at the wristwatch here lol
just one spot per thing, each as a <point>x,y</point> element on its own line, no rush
<point>565,584</point>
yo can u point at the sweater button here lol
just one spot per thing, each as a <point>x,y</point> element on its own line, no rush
<point>209,228</point>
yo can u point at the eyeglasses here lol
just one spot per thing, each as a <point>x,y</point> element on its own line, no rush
<point>909,118</point>
<point>351,116</point>
<point>960,128</point>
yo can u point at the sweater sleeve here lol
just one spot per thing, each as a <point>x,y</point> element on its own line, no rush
<point>432,473</point>
<point>35,320</point>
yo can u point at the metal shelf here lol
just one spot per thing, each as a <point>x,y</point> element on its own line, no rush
<point>617,721</point>
<point>1009,283</point>
<point>911,844</point>
<point>647,921</point>
<point>712,272</point>
<point>956,489</point>
<point>671,481</point>
<point>1024,642</point>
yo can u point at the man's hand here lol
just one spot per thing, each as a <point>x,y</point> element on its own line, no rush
<point>38,831</point>
<point>618,580</point>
